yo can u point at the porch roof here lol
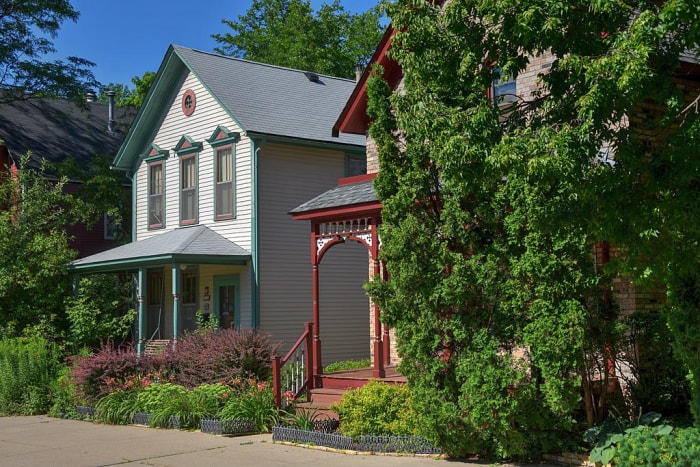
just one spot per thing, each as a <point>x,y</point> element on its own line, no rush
<point>198,244</point>
<point>346,198</point>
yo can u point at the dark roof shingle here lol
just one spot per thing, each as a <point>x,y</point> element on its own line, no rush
<point>55,129</point>
<point>342,195</point>
<point>273,100</point>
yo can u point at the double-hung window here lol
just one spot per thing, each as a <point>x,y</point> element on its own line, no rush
<point>355,165</point>
<point>188,189</point>
<point>224,182</point>
<point>188,150</point>
<point>224,143</point>
<point>156,188</point>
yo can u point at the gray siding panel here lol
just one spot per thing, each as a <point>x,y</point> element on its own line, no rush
<point>289,176</point>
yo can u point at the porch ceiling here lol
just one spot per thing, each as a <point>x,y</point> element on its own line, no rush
<point>198,244</point>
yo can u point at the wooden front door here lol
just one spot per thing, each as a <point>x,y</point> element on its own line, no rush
<point>226,300</point>
<point>155,298</point>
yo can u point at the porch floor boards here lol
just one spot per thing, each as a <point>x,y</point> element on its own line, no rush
<point>335,384</point>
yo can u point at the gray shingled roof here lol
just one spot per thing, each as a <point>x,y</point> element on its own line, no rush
<point>342,195</point>
<point>273,100</point>
<point>55,129</point>
<point>198,244</point>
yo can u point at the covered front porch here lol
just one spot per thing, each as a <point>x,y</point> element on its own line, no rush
<point>184,276</point>
<point>348,213</point>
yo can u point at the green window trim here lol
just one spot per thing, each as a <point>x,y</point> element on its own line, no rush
<point>155,215</point>
<point>221,140</point>
<point>188,151</point>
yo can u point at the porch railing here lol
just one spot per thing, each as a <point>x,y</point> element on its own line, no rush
<point>294,371</point>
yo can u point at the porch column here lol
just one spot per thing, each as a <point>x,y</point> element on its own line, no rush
<point>176,301</point>
<point>386,340</point>
<point>318,365</point>
<point>140,294</point>
<point>378,371</point>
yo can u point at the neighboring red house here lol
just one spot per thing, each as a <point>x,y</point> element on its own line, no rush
<point>56,130</point>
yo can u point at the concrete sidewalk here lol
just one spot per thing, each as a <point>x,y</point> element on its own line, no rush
<point>44,441</point>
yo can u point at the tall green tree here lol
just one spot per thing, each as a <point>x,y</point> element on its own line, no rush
<point>490,214</point>
<point>289,33</point>
<point>127,97</point>
<point>27,29</point>
<point>34,251</point>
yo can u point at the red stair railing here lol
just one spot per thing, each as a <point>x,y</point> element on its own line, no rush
<point>294,371</point>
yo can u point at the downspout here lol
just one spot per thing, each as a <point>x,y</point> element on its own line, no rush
<point>254,253</point>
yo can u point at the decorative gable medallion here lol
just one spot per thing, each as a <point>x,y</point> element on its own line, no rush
<point>189,102</point>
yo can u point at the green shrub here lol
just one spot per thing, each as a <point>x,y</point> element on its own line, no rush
<point>191,406</point>
<point>657,380</point>
<point>377,409</point>
<point>647,447</point>
<point>118,407</point>
<point>64,397</point>
<point>252,401</point>
<point>610,435</point>
<point>28,370</point>
<point>212,355</point>
<point>347,365</point>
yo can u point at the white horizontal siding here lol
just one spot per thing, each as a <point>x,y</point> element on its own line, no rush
<point>288,177</point>
<point>199,126</point>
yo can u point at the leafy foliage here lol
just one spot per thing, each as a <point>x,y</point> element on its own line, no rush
<point>609,436</point>
<point>27,28</point>
<point>377,409</point>
<point>28,369</point>
<point>101,310</point>
<point>101,191</point>
<point>289,33</point>
<point>203,357</point>
<point>118,407</point>
<point>651,446</point>
<point>218,355</point>
<point>113,368</point>
<point>126,97</point>
<point>347,365</point>
<point>654,376</point>
<point>34,250</point>
<point>490,211</point>
<point>251,400</point>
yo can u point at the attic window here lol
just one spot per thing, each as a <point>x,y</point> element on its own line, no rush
<point>189,102</point>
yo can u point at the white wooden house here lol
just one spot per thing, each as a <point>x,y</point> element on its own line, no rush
<point>220,152</point>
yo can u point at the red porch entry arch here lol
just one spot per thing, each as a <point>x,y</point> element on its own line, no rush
<point>348,213</point>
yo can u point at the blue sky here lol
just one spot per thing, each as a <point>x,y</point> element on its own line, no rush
<point>129,37</point>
